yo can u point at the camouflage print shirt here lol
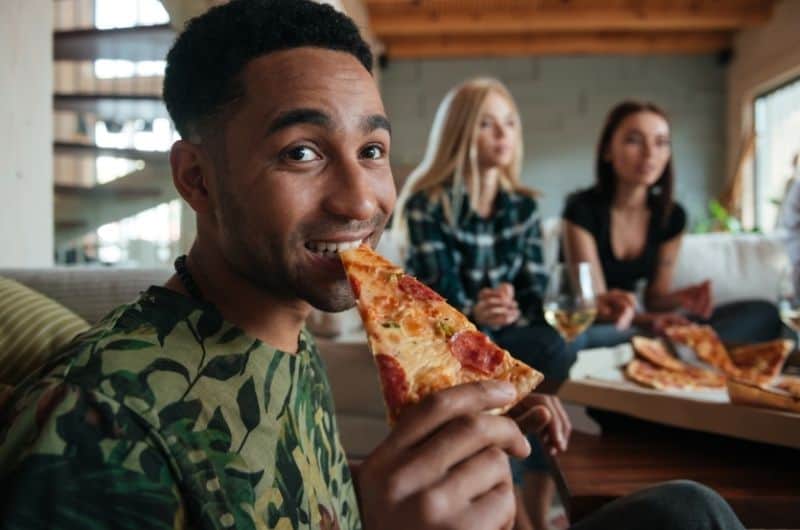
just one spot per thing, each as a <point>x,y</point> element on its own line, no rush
<point>165,416</point>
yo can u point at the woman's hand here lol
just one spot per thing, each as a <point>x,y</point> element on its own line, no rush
<point>658,322</point>
<point>697,299</point>
<point>616,306</point>
<point>496,307</point>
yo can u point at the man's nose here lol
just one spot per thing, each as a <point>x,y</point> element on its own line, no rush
<point>351,192</point>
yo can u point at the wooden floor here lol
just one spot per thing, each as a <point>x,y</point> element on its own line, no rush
<point>761,482</point>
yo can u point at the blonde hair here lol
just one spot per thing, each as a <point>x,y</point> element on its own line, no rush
<point>451,159</point>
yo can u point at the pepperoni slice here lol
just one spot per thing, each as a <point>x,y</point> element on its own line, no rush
<point>393,380</point>
<point>355,286</point>
<point>474,350</point>
<point>417,289</point>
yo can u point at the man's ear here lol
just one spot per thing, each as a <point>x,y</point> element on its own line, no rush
<point>190,174</point>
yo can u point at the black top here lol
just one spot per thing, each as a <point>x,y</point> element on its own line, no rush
<point>592,211</point>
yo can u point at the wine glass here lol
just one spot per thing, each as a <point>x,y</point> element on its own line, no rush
<point>789,301</point>
<point>569,301</point>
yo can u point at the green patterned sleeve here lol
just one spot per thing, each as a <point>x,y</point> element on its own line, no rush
<point>71,459</point>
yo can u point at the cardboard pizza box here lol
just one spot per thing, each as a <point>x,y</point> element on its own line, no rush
<point>597,381</point>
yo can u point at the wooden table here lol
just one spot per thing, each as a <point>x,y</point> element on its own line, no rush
<point>761,482</point>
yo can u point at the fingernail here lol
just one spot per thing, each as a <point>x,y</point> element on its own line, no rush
<point>528,445</point>
<point>505,390</point>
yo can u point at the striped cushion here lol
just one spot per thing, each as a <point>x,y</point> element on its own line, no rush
<point>32,328</point>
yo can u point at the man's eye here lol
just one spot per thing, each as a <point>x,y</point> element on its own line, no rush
<point>301,154</point>
<point>372,152</point>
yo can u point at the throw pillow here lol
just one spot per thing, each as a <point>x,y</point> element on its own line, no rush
<point>32,328</point>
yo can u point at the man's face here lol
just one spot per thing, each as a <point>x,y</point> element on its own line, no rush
<point>306,173</point>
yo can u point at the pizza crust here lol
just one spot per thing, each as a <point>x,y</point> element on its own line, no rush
<point>743,393</point>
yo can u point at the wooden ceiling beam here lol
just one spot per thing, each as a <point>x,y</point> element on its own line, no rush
<point>502,5</point>
<point>408,22</point>
<point>557,44</point>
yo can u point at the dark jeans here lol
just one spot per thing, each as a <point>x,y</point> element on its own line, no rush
<point>538,345</point>
<point>746,321</point>
<point>677,504</point>
<point>541,347</point>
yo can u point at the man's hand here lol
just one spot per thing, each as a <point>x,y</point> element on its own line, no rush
<point>544,415</point>
<point>445,464</point>
<point>617,306</point>
<point>697,299</point>
<point>496,307</point>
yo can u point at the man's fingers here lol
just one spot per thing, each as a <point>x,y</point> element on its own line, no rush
<point>494,510</point>
<point>473,478</point>
<point>456,442</point>
<point>419,421</point>
<point>535,420</point>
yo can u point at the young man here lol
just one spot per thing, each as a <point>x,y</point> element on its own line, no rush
<point>204,404</point>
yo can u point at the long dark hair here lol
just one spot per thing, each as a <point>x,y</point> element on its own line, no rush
<point>660,196</point>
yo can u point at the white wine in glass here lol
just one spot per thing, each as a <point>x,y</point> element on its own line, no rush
<point>569,304</point>
<point>789,300</point>
<point>790,315</point>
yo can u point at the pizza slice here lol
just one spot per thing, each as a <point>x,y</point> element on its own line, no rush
<point>706,343</point>
<point>761,363</point>
<point>648,374</point>
<point>655,352</point>
<point>420,343</point>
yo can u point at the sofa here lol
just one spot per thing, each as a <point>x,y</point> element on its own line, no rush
<point>742,266</point>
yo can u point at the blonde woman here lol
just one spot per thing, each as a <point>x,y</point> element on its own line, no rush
<point>474,236</point>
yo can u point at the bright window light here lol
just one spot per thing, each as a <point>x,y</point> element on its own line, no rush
<point>109,254</point>
<point>777,123</point>
<point>127,13</point>
<point>111,168</point>
<point>158,227</point>
<point>120,68</point>
<point>132,134</point>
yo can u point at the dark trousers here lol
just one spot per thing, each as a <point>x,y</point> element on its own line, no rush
<point>677,504</point>
<point>538,345</point>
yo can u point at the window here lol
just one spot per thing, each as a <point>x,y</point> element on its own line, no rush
<point>115,14</point>
<point>777,126</point>
<point>147,239</point>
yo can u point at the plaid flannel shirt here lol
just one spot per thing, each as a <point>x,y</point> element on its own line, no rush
<point>459,261</point>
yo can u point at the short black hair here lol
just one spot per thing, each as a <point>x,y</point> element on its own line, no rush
<point>205,63</point>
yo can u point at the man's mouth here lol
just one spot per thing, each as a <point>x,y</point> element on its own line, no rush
<point>330,248</point>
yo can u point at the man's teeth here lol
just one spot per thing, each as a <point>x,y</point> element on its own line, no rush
<point>325,246</point>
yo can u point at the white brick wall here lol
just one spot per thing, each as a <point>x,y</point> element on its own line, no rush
<point>563,101</point>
